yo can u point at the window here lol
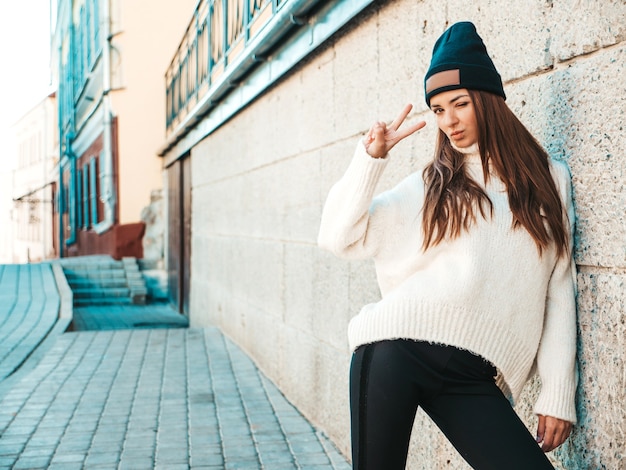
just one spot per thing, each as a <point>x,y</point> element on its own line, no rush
<point>79,196</point>
<point>77,48</point>
<point>85,200</point>
<point>93,192</point>
<point>85,44</point>
<point>70,190</point>
<point>95,21</point>
<point>66,100</point>
<point>88,28</point>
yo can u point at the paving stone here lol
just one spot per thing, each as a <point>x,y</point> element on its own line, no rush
<point>31,463</point>
<point>74,446</point>
<point>68,458</point>
<point>170,466</point>
<point>314,459</point>
<point>65,466</point>
<point>44,440</point>
<point>151,398</point>
<point>101,458</point>
<point>270,459</point>
<point>206,460</point>
<point>135,463</point>
<point>7,460</point>
<point>18,431</point>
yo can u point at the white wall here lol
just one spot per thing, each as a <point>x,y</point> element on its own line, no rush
<point>37,151</point>
<point>6,205</point>
<point>260,181</point>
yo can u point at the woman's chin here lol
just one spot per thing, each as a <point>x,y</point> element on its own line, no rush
<point>462,144</point>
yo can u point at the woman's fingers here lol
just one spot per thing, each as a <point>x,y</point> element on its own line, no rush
<point>375,142</point>
<point>401,117</point>
<point>561,432</point>
<point>541,428</point>
<point>381,138</point>
<point>395,125</point>
<point>377,133</point>
<point>552,432</point>
<point>411,129</point>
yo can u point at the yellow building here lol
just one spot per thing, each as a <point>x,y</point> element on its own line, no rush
<point>110,56</point>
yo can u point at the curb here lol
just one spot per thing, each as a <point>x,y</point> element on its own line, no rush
<point>66,307</point>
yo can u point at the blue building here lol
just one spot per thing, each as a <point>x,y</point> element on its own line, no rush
<point>109,67</point>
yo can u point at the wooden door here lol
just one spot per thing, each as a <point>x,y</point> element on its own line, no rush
<point>179,234</point>
<point>173,234</point>
<point>186,234</point>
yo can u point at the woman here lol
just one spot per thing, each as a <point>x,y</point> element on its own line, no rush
<point>474,262</point>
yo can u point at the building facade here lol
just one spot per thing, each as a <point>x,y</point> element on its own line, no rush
<point>109,58</point>
<point>266,103</point>
<point>34,184</point>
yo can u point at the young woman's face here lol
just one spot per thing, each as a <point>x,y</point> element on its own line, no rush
<point>454,111</point>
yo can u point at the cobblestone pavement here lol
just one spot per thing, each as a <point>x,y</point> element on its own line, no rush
<point>121,317</point>
<point>163,398</point>
<point>29,306</point>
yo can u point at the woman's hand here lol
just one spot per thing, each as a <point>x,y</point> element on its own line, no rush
<point>552,432</point>
<point>382,138</point>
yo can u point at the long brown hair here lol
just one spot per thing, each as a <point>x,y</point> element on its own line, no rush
<point>453,198</point>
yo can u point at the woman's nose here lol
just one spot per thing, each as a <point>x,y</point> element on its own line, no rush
<point>450,119</point>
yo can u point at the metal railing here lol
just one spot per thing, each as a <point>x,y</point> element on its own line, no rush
<point>234,50</point>
<point>218,33</point>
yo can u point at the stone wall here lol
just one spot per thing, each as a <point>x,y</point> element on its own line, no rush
<point>260,181</point>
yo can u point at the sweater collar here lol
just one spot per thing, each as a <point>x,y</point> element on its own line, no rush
<point>472,151</point>
<point>471,154</point>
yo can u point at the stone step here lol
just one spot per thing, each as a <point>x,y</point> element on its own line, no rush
<point>156,283</point>
<point>90,264</point>
<point>94,273</point>
<point>96,278</point>
<point>115,292</point>
<point>104,283</point>
<point>148,264</point>
<point>102,301</point>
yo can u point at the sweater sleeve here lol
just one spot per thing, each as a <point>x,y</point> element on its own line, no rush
<point>556,357</point>
<point>353,223</point>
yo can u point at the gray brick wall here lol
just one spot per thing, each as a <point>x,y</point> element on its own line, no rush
<point>259,183</point>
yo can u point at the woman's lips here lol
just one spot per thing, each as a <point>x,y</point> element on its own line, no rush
<point>456,135</point>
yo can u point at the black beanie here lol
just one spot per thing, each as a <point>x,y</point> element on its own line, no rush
<point>460,60</point>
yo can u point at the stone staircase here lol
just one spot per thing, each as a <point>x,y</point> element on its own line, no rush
<point>102,280</point>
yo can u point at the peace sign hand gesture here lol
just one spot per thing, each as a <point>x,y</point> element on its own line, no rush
<point>381,138</point>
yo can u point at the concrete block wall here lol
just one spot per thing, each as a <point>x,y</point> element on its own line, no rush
<point>259,183</point>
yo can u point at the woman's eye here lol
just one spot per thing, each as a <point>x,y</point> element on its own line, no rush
<point>462,104</point>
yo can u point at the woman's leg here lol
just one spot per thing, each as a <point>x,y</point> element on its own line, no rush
<point>383,402</point>
<point>389,379</point>
<point>480,422</point>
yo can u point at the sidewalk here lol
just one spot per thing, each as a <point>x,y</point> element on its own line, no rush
<point>164,398</point>
<point>123,317</point>
<point>29,308</point>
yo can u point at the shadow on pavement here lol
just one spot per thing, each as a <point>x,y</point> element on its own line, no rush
<point>124,317</point>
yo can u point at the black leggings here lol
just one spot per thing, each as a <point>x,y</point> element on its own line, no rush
<point>390,379</point>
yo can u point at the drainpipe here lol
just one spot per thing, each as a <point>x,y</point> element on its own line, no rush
<point>107,195</point>
<point>61,205</point>
<point>71,214</point>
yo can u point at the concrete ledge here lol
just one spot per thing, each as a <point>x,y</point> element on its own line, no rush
<point>66,306</point>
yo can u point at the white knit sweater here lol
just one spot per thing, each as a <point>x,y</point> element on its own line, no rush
<point>487,291</point>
